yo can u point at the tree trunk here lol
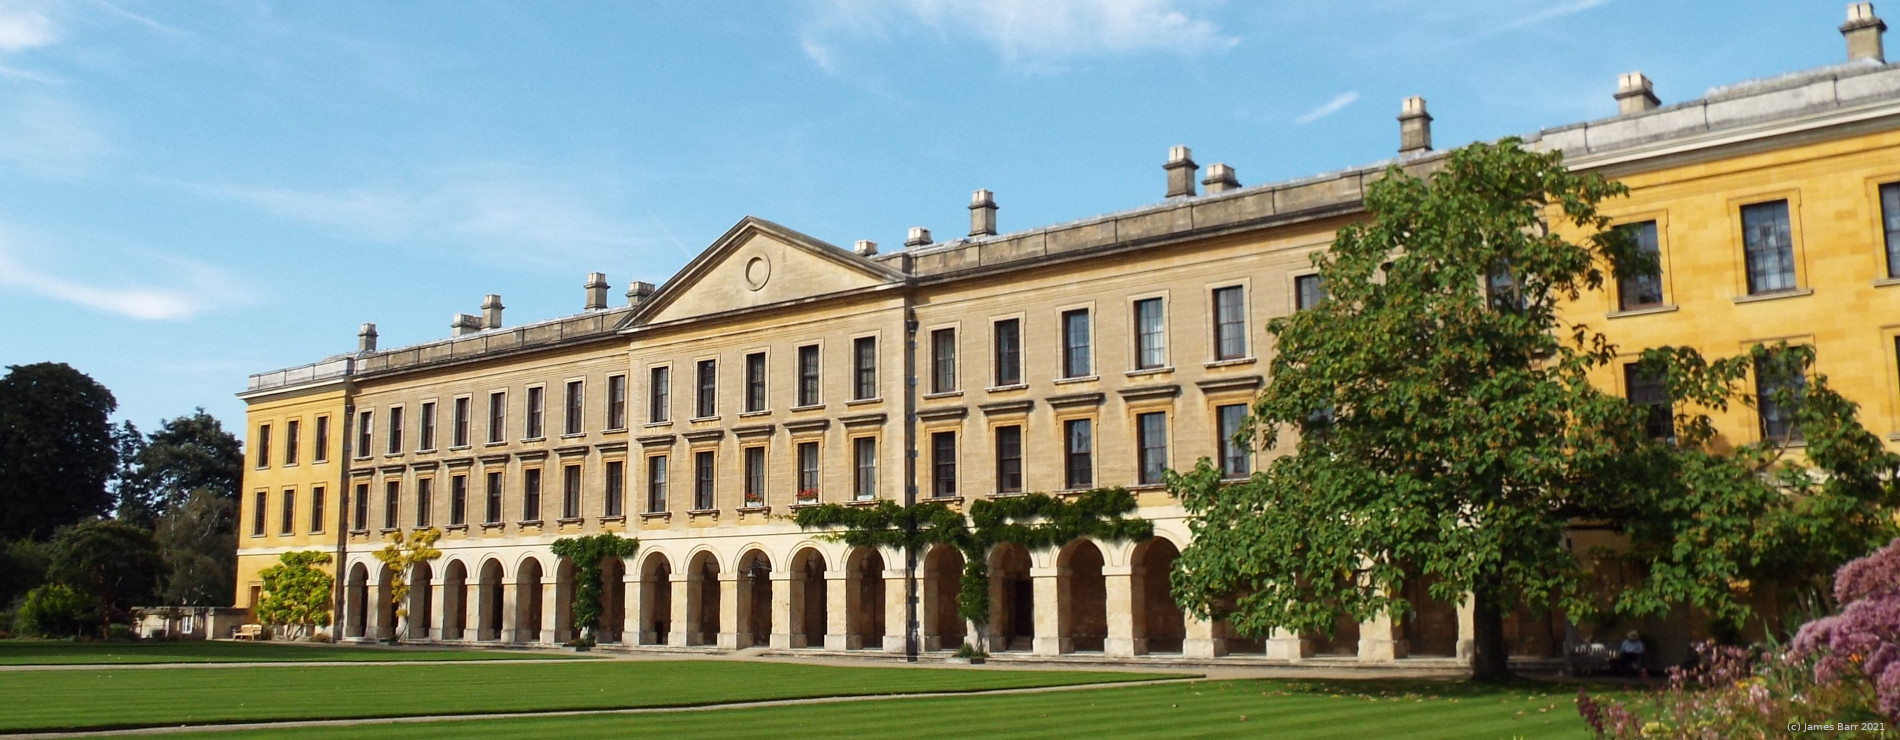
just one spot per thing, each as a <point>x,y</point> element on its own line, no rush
<point>1490,659</point>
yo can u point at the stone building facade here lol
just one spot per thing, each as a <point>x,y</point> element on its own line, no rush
<point>776,371</point>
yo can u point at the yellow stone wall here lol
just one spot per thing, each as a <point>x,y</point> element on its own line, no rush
<point>316,468</point>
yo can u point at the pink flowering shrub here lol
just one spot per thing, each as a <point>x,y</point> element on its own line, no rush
<point>1843,668</point>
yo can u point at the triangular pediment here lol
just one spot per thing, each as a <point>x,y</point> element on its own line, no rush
<point>759,263</point>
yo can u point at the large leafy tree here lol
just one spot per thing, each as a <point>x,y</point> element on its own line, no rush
<point>198,541</point>
<point>114,564</point>
<point>403,553</point>
<point>161,471</point>
<point>297,591</point>
<point>1447,427</point>
<point>56,449</point>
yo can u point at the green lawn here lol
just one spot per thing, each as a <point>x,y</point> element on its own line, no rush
<point>119,698</point>
<point>55,652</point>
<point>1279,709</point>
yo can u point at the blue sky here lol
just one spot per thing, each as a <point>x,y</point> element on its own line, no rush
<point>194,191</point>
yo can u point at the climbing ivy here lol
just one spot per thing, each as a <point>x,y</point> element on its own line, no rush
<point>587,553</point>
<point>1035,521</point>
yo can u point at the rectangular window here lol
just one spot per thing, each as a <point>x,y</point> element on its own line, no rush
<point>287,519</point>
<point>1151,430</point>
<point>1644,290</point>
<point>426,428</point>
<point>360,504</point>
<point>707,405</point>
<point>1009,352</point>
<point>258,515</point>
<point>392,504</point>
<point>263,445</point>
<point>316,509</point>
<point>658,395</point>
<point>364,430</point>
<point>1230,323</point>
<point>864,368</point>
<point>1768,247</point>
<point>808,375</point>
<point>1078,454</point>
<point>1009,459</point>
<point>1151,334</point>
<point>458,436</point>
<point>943,464</point>
<point>943,361</point>
<point>616,402</point>
<point>497,417</point>
<point>537,413</point>
<point>458,500</point>
<point>616,475</point>
<point>755,381</point>
<point>425,502</point>
<point>491,511</point>
<point>292,431</point>
<point>864,461</point>
<point>1235,462</point>
<point>1308,291</point>
<point>755,476</point>
<point>702,481</point>
<point>571,420</point>
<point>1779,388</point>
<point>1646,390</point>
<point>656,484</point>
<point>320,449</point>
<point>394,444</point>
<point>1075,344</point>
<point>531,495</point>
<point>1890,223</point>
<point>808,471</point>
<point>570,492</point>
<point>1500,285</point>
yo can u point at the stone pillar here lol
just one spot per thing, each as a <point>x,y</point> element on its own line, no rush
<point>684,617</point>
<point>1288,646</point>
<point>784,608</point>
<point>632,591</point>
<point>550,611</point>
<point>1380,640</point>
<point>438,616</point>
<point>894,610</point>
<point>373,612</point>
<point>1125,638</point>
<point>729,596</point>
<point>510,619</point>
<point>837,613</point>
<point>1050,603</point>
<point>1200,642</point>
<point>1467,627</point>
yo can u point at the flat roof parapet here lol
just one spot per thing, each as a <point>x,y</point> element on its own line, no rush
<point>321,370</point>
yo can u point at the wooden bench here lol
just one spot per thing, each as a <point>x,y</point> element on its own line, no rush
<point>249,632</point>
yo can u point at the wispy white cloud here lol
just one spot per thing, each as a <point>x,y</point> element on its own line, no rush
<point>50,136</point>
<point>189,288</point>
<point>1550,13</point>
<point>1039,34</point>
<point>24,28</point>
<point>1338,103</point>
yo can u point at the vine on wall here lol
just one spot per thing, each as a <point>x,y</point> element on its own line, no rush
<point>587,553</point>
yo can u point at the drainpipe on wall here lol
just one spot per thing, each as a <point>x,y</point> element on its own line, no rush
<point>911,641</point>
<point>343,509</point>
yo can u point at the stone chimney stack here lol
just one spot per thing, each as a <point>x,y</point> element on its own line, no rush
<point>366,338</point>
<point>982,213</point>
<point>1635,94</point>
<point>464,324</point>
<point>919,236</point>
<point>865,248</point>
<point>1415,127</point>
<point>638,292</point>
<point>1181,169</point>
<point>1220,179</point>
<point>491,312</point>
<point>1863,31</point>
<point>596,291</point>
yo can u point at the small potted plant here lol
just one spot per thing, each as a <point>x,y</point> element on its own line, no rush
<point>968,654</point>
<point>807,496</point>
<point>583,643</point>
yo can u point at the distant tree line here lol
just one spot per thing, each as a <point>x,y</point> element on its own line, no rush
<point>97,518</point>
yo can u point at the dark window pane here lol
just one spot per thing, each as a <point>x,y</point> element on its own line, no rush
<point>1638,291</point>
<point>1779,388</point>
<point>703,481</point>
<point>658,395</point>
<point>1009,459</point>
<point>1647,390</point>
<point>1075,344</point>
<point>943,464</point>
<point>617,402</point>
<point>1079,446</point>
<point>531,495</point>
<point>1308,291</point>
<point>316,508</point>
<point>571,420</point>
<point>1230,323</point>
<point>537,410</point>
<point>1151,429</point>
<point>656,483</point>
<point>1151,334</point>
<point>1009,352</point>
<point>864,367</point>
<point>1890,223</point>
<point>1235,460</point>
<point>755,381</point>
<point>458,500</point>
<point>492,513</point>
<point>864,459</point>
<point>755,476</point>
<point>1768,246</point>
<point>808,375</point>
<point>571,492</point>
<point>807,471</point>
<point>943,360</point>
<point>708,399</point>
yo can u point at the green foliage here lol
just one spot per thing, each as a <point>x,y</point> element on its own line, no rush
<point>54,610</point>
<point>56,449</point>
<point>198,540</point>
<point>162,471</point>
<point>1035,521</point>
<point>114,564</point>
<point>587,553</point>
<point>23,565</point>
<point>297,590</point>
<point>402,555</point>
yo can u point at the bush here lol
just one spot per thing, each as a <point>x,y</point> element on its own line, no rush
<point>318,637</point>
<point>54,610</point>
<point>967,651</point>
<point>120,632</point>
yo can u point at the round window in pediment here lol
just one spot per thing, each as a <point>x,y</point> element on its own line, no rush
<point>757,271</point>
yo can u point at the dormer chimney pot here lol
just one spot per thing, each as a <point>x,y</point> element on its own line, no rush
<point>596,291</point>
<point>491,311</point>
<point>1863,31</point>
<point>1220,178</point>
<point>865,248</point>
<point>919,236</point>
<point>638,292</point>
<point>1181,169</point>
<point>366,338</point>
<point>982,213</point>
<point>1415,127</point>
<point>1635,94</point>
